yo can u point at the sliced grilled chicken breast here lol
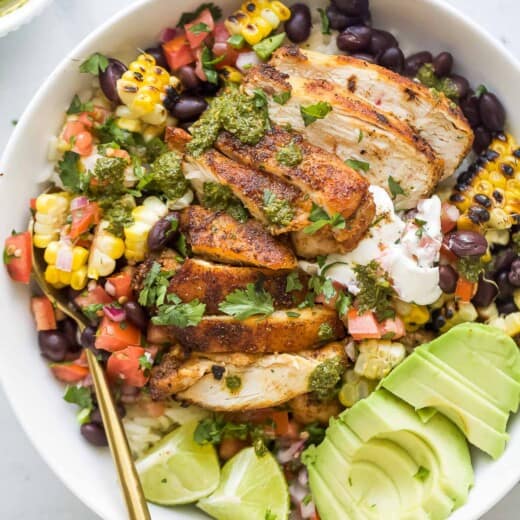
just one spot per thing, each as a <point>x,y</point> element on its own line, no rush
<point>264,380</point>
<point>306,409</point>
<point>355,130</point>
<point>250,186</point>
<point>324,178</point>
<point>435,117</point>
<point>169,260</point>
<point>211,283</point>
<point>218,236</point>
<point>275,333</point>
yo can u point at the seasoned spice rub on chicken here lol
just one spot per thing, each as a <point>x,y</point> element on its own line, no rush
<point>218,236</point>
<point>275,333</point>
<point>210,283</point>
<point>324,178</point>
<point>262,381</point>
<point>353,130</point>
<point>435,117</point>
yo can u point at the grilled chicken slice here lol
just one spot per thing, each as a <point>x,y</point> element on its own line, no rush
<point>211,283</point>
<point>247,184</point>
<point>265,381</point>
<point>169,260</point>
<point>355,130</point>
<point>275,333</point>
<point>218,236</point>
<point>306,409</point>
<point>324,178</point>
<point>437,120</point>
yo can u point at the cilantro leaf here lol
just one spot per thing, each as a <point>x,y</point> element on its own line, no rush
<point>292,314</point>
<point>395,187</point>
<point>81,396</point>
<point>244,303</point>
<point>293,282</point>
<point>69,173</point>
<point>179,314</point>
<point>311,113</point>
<point>155,286</point>
<point>199,28</point>
<point>212,430</point>
<point>420,226</point>
<point>208,62</point>
<point>216,13</point>
<point>76,106</point>
<point>325,331</point>
<point>259,98</point>
<point>145,362</point>
<point>267,46</point>
<point>94,64</point>
<point>481,89</point>
<point>358,165</point>
<point>282,98</point>
<point>319,219</point>
<point>91,311</point>
<point>325,23</point>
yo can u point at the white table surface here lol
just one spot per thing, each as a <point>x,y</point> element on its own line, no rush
<point>28,489</point>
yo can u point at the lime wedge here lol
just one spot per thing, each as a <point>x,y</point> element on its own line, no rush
<point>251,487</point>
<point>177,470</point>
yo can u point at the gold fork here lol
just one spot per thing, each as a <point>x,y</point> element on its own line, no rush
<point>128,478</point>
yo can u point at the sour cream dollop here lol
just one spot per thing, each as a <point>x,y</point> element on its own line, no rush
<point>407,250</point>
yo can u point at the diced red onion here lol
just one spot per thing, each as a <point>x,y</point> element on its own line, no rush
<point>291,452</point>
<point>167,34</point>
<point>246,60</point>
<point>351,351</point>
<point>307,510</point>
<point>303,477</point>
<point>78,203</point>
<point>114,313</point>
<point>297,492</point>
<point>129,394</point>
<point>110,288</point>
<point>64,259</point>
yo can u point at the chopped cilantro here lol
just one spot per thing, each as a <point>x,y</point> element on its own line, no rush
<point>290,155</point>
<point>319,219</point>
<point>471,267</point>
<point>199,28</point>
<point>282,98</point>
<point>94,64</point>
<point>278,211</point>
<point>395,187</point>
<point>481,89</point>
<point>358,165</point>
<point>420,226</point>
<point>219,197</point>
<point>179,314</point>
<point>233,383</point>
<point>81,396</point>
<point>325,332</point>
<point>293,282</point>
<point>76,106</point>
<point>244,303</point>
<point>311,113</point>
<point>259,98</point>
<point>145,362</point>
<point>324,379</point>
<point>316,433</point>
<point>91,311</point>
<point>360,136</point>
<point>292,314</point>
<point>212,430</point>
<point>69,173</point>
<point>208,62</point>
<point>155,286</point>
<point>325,23</point>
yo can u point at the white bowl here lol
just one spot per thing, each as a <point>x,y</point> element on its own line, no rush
<point>35,396</point>
<point>24,14</point>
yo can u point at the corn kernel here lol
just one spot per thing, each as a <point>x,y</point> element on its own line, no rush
<point>146,60</point>
<point>512,324</point>
<point>231,74</point>
<point>79,257</point>
<point>262,25</point>
<point>283,12</point>
<point>137,67</point>
<point>270,16</point>
<point>78,278</point>
<point>132,125</point>
<point>51,275</point>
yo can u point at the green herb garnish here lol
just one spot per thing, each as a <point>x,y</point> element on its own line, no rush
<point>357,165</point>
<point>76,106</point>
<point>282,98</point>
<point>179,314</point>
<point>293,282</point>
<point>199,28</point>
<point>325,23</point>
<point>311,113</point>
<point>216,14</point>
<point>278,211</point>
<point>290,155</point>
<point>244,303</point>
<point>395,187</point>
<point>320,218</point>
<point>155,286</point>
<point>94,64</point>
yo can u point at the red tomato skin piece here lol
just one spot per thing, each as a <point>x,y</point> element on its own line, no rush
<point>43,312</point>
<point>18,256</point>
<point>124,365</point>
<point>114,336</point>
<point>178,52</point>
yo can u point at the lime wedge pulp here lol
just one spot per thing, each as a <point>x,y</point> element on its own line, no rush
<point>250,487</point>
<point>177,470</point>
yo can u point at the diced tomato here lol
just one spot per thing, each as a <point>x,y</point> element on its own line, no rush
<point>18,256</point>
<point>281,421</point>
<point>86,118</point>
<point>362,326</point>
<point>113,336</point>
<point>393,328</point>
<point>120,285</point>
<point>153,350</point>
<point>465,289</point>
<point>446,252</point>
<point>98,295</point>
<point>83,219</point>
<point>32,203</point>
<point>195,40</point>
<point>83,143</point>
<point>230,447</point>
<point>449,216</point>
<point>223,48</point>
<point>72,129</point>
<point>124,365</point>
<point>331,304</point>
<point>69,372</point>
<point>178,52</point>
<point>43,312</point>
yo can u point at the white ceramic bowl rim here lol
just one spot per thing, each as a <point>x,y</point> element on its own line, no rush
<point>21,16</point>
<point>506,483</point>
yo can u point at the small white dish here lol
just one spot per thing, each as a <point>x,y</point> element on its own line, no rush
<point>21,15</point>
<point>35,396</point>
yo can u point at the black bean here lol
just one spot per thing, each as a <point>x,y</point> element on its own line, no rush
<point>482,139</point>
<point>492,112</point>
<point>352,7</point>
<point>108,79</point>
<point>188,107</point>
<point>381,40</point>
<point>53,344</point>
<point>88,337</point>
<point>163,232</point>
<point>460,84</point>
<point>506,307</point>
<point>415,61</point>
<point>354,39</point>
<point>95,415</point>
<point>298,27</point>
<point>467,243</point>
<point>442,64</point>
<point>188,77</point>
<point>136,314</point>
<point>70,329</point>
<point>478,215</point>
<point>486,293</point>
<point>340,21</point>
<point>470,108</point>
<point>364,56</point>
<point>94,433</point>
<point>392,58</point>
<point>447,279</point>
<point>503,260</point>
<point>514,273</point>
<point>158,54</point>
<point>505,289</point>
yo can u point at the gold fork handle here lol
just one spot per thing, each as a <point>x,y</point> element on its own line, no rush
<point>128,478</point>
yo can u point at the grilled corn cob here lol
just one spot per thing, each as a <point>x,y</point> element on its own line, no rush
<point>64,254</point>
<point>142,88</point>
<point>413,315</point>
<point>105,250</point>
<point>136,235</point>
<point>488,193</point>
<point>355,388</point>
<point>50,217</point>
<point>257,19</point>
<point>377,357</point>
<point>456,312</point>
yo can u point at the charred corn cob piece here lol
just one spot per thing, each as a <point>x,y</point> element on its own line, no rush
<point>257,19</point>
<point>456,312</point>
<point>67,265</point>
<point>142,88</point>
<point>488,193</point>
<point>413,315</point>
<point>136,235</point>
<point>355,388</point>
<point>377,357</point>
<point>105,250</point>
<point>50,217</point>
